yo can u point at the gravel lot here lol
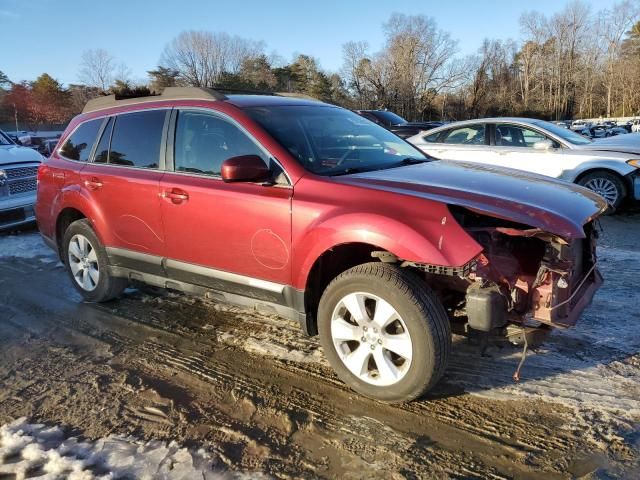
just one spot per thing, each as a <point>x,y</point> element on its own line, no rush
<point>164,385</point>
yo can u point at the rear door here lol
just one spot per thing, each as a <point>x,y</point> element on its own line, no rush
<point>62,170</point>
<point>234,237</point>
<point>122,182</point>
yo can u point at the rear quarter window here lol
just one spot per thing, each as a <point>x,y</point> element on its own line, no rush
<point>78,146</point>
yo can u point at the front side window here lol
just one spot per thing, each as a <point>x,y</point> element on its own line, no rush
<point>204,141</point>
<point>136,139</point>
<point>516,136</point>
<point>78,146</point>
<point>333,141</point>
<point>468,135</point>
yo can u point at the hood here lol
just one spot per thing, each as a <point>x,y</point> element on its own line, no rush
<point>16,154</point>
<point>628,143</point>
<point>542,202</point>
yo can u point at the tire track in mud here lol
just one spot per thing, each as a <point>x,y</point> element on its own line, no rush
<point>209,342</point>
<point>43,318</point>
<point>358,431</point>
<point>236,335</point>
<point>270,328</point>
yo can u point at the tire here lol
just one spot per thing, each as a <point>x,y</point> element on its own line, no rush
<point>608,185</point>
<point>80,258</point>
<point>381,288</point>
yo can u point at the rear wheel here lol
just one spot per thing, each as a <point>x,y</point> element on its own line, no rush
<point>608,185</point>
<point>384,332</point>
<point>87,264</point>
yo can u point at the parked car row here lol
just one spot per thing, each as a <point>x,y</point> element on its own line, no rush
<point>610,167</point>
<point>311,211</point>
<point>44,142</point>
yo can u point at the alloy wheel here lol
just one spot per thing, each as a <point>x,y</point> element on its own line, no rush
<point>83,262</point>
<point>605,188</point>
<point>371,339</point>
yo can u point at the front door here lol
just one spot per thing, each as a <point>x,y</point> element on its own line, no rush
<point>514,148</point>
<point>234,237</point>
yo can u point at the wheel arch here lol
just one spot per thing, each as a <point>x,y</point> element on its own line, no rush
<point>591,170</point>
<point>66,217</point>
<point>327,266</point>
<point>625,180</point>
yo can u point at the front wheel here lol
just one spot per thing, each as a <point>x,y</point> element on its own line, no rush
<point>87,264</point>
<point>384,332</point>
<point>608,185</point>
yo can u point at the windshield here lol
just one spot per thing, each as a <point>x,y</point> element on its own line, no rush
<point>4,139</point>
<point>333,141</point>
<point>567,135</point>
<point>389,117</point>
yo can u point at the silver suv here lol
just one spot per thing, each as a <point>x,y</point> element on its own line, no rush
<point>18,182</point>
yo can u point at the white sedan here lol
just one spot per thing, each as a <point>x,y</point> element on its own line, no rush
<point>610,167</point>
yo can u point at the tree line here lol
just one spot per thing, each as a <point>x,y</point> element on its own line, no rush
<point>575,63</point>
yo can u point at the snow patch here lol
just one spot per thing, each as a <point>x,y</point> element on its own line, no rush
<point>34,450</point>
<point>25,245</point>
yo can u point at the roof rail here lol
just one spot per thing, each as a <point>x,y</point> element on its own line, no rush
<point>247,91</point>
<point>169,93</point>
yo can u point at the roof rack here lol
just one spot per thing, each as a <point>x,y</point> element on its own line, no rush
<point>169,93</point>
<point>181,93</point>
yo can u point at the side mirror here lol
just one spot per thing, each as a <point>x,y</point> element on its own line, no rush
<point>543,145</point>
<point>245,168</point>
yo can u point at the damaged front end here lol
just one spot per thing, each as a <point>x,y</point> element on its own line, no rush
<point>525,282</point>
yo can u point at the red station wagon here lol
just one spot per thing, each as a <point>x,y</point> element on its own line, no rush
<point>300,208</point>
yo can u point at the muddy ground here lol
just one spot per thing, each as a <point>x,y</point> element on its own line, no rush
<point>257,395</point>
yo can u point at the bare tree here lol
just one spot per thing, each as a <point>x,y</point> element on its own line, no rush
<point>615,23</point>
<point>201,58</point>
<point>97,69</point>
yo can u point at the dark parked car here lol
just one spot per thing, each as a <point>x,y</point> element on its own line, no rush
<point>396,123</point>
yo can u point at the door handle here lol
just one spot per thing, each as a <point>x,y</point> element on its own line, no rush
<point>175,195</point>
<point>93,183</point>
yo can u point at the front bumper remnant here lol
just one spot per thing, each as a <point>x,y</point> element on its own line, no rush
<point>561,307</point>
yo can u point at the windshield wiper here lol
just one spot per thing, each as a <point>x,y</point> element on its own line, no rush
<point>409,161</point>
<point>349,171</point>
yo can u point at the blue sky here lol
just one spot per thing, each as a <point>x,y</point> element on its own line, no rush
<point>50,35</point>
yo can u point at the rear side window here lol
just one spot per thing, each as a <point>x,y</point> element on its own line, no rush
<point>136,139</point>
<point>469,135</point>
<point>78,146</point>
